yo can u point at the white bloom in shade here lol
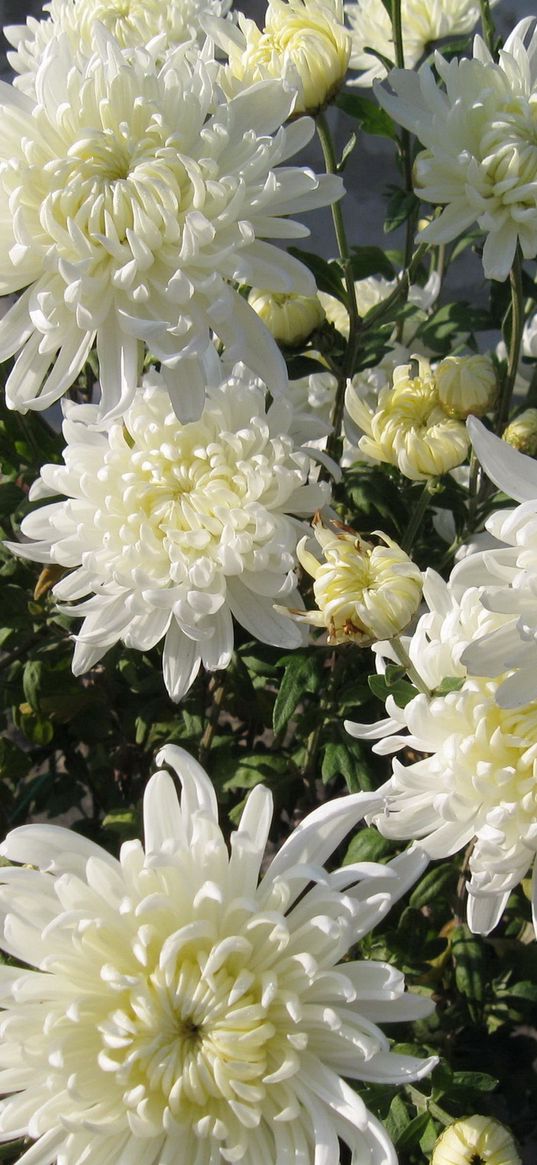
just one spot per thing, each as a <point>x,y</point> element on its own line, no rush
<point>409,426</point>
<point>168,530</point>
<point>364,592</point>
<point>507,572</point>
<point>289,318</point>
<point>476,1140</point>
<point>131,22</point>
<point>131,199</point>
<point>374,290</point>
<point>480,157</point>
<point>423,22</point>
<point>478,782</point>
<point>184,1009</point>
<point>304,43</point>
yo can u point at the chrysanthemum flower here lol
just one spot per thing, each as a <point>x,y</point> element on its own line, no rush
<point>304,42</point>
<point>476,1140</point>
<point>521,432</point>
<point>409,427</point>
<point>423,22</point>
<point>480,157</point>
<point>168,530</point>
<point>131,198</point>
<point>289,318</point>
<point>477,781</point>
<point>364,592</point>
<point>507,573</point>
<point>131,22</point>
<point>183,1009</point>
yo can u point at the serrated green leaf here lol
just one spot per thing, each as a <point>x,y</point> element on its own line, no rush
<point>470,967</point>
<point>411,1135</point>
<point>397,1120</point>
<point>475,1081</point>
<point>346,153</point>
<point>449,684</point>
<point>32,678</point>
<point>344,760</point>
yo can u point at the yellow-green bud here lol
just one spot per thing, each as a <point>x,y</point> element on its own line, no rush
<point>290,318</point>
<point>466,384</point>
<point>522,432</point>
<point>476,1140</point>
<point>364,592</point>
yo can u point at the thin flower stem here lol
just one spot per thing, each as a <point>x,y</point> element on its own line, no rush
<point>487,25</point>
<point>347,368</point>
<point>517,327</point>
<point>206,741</point>
<point>404,136</point>
<point>416,518</point>
<point>404,659</point>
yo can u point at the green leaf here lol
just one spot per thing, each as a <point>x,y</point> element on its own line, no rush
<point>346,153</point>
<point>470,968</point>
<point>11,497</point>
<point>303,673</point>
<point>475,1081</point>
<point>449,684</point>
<point>123,822</point>
<point>368,261</point>
<point>32,679</point>
<point>401,204</point>
<point>412,1134</point>
<point>370,117</point>
<point>402,690</point>
<point>342,759</point>
<point>368,845</point>
<point>327,275</point>
<point>433,886</point>
<point>397,1120</point>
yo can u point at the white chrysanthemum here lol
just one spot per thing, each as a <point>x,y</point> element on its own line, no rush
<point>132,22</point>
<point>480,157</point>
<point>423,22</point>
<point>180,1008</point>
<point>478,782</point>
<point>130,201</point>
<point>521,432</point>
<point>171,529</point>
<point>507,572</point>
<point>303,42</point>
<point>408,426</point>
<point>476,1140</point>
<point>364,592</point>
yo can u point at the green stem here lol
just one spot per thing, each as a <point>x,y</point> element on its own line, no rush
<point>404,659</point>
<point>416,518</point>
<point>487,25</point>
<point>355,323</point>
<point>383,309</point>
<point>425,1104</point>
<point>404,136</point>
<point>219,687</point>
<point>517,327</point>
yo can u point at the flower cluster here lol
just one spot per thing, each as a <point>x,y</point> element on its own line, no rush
<point>477,781</point>
<point>423,22</point>
<point>480,156</point>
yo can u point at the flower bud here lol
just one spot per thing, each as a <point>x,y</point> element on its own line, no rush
<point>304,42</point>
<point>364,592</point>
<point>476,1140</point>
<point>466,384</point>
<point>410,428</point>
<point>522,432</point>
<point>290,318</point>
